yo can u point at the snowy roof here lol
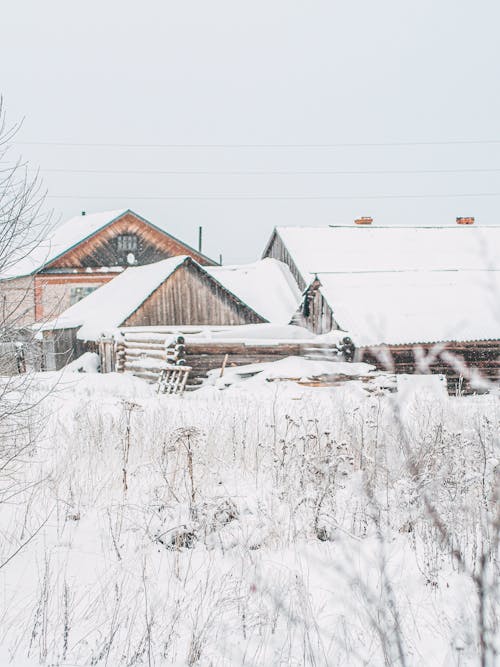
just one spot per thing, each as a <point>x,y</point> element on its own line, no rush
<point>61,239</point>
<point>267,286</point>
<point>108,306</point>
<point>68,235</point>
<point>402,307</point>
<point>372,248</point>
<point>400,285</point>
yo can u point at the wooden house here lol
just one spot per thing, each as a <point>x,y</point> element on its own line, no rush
<point>402,293</point>
<point>173,292</point>
<point>80,255</point>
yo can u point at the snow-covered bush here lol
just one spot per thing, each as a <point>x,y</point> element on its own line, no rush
<point>272,526</point>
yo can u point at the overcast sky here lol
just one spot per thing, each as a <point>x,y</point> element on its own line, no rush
<point>262,86</point>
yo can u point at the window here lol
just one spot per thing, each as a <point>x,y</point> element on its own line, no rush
<point>79,293</point>
<point>126,243</point>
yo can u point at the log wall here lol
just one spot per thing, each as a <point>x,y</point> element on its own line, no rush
<point>468,366</point>
<point>143,354</point>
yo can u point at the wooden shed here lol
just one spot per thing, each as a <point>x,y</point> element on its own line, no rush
<point>176,291</point>
<point>402,293</point>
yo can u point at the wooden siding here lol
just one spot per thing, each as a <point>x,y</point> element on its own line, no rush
<point>190,296</point>
<point>320,318</point>
<point>277,250</point>
<point>100,250</point>
<point>59,347</point>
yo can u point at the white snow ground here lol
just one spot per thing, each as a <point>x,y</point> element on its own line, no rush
<point>267,524</point>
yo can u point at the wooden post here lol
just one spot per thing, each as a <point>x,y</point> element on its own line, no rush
<point>107,359</point>
<point>224,365</point>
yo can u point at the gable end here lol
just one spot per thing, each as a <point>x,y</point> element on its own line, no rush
<point>191,296</point>
<point>111,245</point>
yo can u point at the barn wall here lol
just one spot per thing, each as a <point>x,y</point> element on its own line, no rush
<point>59,347</point>
<point>190,297</point>
<point>277,250</point>
<point>457,361</point>
<point>17,302</point>
<point>320,319</point>
<point>100,249</point>
<point>53,291</point>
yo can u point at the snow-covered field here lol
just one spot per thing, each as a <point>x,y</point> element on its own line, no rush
<point>267,524</point>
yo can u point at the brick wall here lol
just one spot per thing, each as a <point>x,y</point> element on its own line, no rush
<point>53,292</point>
<point>17,302</point>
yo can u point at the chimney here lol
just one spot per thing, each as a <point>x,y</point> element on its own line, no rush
<point>364,220</point>
<point>465,221</point>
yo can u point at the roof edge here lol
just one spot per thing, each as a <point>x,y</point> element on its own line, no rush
<point>174,238</point>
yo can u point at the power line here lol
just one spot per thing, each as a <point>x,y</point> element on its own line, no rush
<point>275,197</point>
<point>451,142</point>
<point>277,172</point>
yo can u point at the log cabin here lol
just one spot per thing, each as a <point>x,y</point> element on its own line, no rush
<point>79,256</point>
<point>414,299</point>
<point>173,292</point>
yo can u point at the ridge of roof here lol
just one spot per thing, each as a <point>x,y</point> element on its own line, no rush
<point>391,249</point>
<point>475,226</point>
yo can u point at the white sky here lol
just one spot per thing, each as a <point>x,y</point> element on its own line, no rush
<point>260,72</point>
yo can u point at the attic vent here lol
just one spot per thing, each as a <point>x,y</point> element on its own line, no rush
<point>364,220</point>
<point>126,243</point>
<point>465,221</point>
